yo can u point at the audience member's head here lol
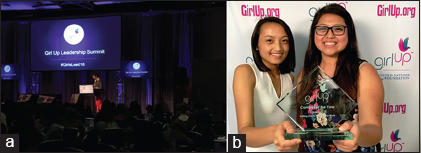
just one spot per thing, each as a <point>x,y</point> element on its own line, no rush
<point>88,111</point>
<point>159,108</point>
<point>122,109</point>
<point>56,112</point>
<point>26,114</point>
<point>113,105</point>
<point>183,109</point>
<point>149,109</point>
<point>72,118</point>
<point>180,126</point>
<point>158,112</point>
<point>107,111</point>
<point>106,104</point>
<point>43,116</point>
<point>135,109</point>
<point>129,122</point>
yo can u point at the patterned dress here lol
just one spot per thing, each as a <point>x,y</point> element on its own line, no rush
<point>319,145</point>
<point>316,115</point>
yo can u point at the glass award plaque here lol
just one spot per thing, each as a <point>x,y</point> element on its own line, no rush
<point>323,107</point>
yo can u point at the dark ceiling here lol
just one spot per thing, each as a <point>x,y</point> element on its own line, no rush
<point>36,10</point>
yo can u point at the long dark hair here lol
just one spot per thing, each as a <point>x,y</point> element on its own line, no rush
<point>288,64</point>
<point>346,71</point>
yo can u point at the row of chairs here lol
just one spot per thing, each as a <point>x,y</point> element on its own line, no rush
<point>59,146</point>
<point>111,140</point>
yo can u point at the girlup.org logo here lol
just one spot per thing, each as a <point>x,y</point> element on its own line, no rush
<point>397,108</point>
<point>312,11</point>
<point>257,10</point>
<point>396,62</point>
<point>396,145</point>
<point>395,11</point>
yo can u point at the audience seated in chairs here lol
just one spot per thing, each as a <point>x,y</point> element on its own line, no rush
<point>197,139</point>
<point>64,124</point>
<point>204,127</point>
<point>148,137</point>
<point>91,139</point>
<point>10,110</point>
<point>136,110</point>
<point>104,118</point>
<point>29,135</point>
<point>55,116</point>
<point>116,137</point>
<point>87,112</point>
<point>122,111</point>
<point>183,143</point>
<point>158,114</point>
<point>128,123</point>
<point>51,146</point>
<point>69,143</point>
<point>73,119</point>
<point>70,135</point>
<point>72,138</point>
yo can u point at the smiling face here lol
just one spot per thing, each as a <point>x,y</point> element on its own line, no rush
<point>329,44</point>
<point>273,44</point>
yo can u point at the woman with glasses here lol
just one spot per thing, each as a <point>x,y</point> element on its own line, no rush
<point>333,47</point>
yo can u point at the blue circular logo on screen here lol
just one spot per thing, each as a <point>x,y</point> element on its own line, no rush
<point>136,65</point>
<point>7,68</point>
<point>73,34</point>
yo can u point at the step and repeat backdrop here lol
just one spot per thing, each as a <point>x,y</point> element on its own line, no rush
<point>388,38</point>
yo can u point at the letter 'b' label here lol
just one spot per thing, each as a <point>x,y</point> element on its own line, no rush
<point>236,143</point>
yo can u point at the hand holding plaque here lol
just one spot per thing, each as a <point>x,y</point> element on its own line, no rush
<point>324,106</point>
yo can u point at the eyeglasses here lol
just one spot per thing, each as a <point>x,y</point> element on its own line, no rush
<point>336,30</point>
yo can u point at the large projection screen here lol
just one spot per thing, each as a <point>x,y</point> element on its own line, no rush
<point>76,44</point>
